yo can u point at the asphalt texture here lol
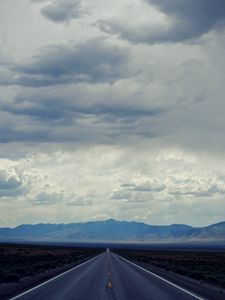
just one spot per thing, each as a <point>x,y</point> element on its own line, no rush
<point>107,277</point>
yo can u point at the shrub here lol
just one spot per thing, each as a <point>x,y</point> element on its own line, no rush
<point>181,271</point>
<point>11,277</point>
<point>197,275</point>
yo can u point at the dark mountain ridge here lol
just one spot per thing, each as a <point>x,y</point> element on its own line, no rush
<point>112,230</point>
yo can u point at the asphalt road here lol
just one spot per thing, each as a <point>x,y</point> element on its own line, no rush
<point>107,277</point>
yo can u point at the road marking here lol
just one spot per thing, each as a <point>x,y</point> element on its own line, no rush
<point>167,281</point>
<point>43,283</point>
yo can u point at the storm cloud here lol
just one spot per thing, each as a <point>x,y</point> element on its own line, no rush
<point>62,11</point>
<point>96,60</point>
<point>182,21</point>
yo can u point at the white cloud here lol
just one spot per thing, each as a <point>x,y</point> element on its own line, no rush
<point>76,185</point>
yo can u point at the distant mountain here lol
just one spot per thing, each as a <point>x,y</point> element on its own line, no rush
<point>111,230</point>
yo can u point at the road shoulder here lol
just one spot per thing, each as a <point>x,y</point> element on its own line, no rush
<point>205,290</point>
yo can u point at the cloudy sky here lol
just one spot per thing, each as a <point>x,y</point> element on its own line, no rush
<point>112,109</point>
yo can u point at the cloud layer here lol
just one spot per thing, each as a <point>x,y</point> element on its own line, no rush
<point>93,61</point>
<point>111,182</point>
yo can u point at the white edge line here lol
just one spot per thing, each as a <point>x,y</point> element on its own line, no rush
<point>167,281</point>
<point>43,283</point>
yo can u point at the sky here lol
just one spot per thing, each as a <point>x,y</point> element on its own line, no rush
<point>112,110</point>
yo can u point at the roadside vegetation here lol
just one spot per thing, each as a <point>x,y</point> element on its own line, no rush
<point>18,261</point>
<point>208,267</point>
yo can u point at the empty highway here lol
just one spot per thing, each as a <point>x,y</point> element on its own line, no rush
<point>107,277</point>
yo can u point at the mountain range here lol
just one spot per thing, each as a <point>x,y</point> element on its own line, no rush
<point>112,230</point>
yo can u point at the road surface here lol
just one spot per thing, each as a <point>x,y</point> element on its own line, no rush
<point>107,277</point>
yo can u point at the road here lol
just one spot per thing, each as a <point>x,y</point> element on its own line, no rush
<point>107,277</point>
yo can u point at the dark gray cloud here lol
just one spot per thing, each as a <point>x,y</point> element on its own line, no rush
<point>128,185</point>
<point>17,130</point>
<point>186,20</point>
<point>120,195</point>
<point>46,126</point>
<point>62,10</point>
<point>192,18</point>
<point>75,113</point>
<point>129,197</point>
<point>137,192</point>
<point>46,199</point>
<point>148,187</point>
<point>93,61</point>
<point>96,60</point>
<point>208,192</point>
<point>52,107</point>
<point>51,198</point>
<point>144,187</point>
<point>80,201</point>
